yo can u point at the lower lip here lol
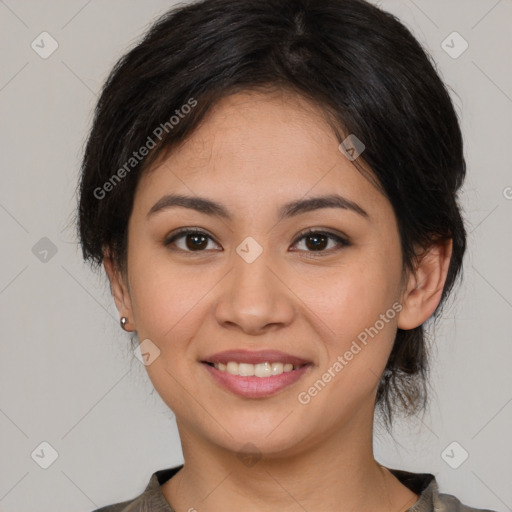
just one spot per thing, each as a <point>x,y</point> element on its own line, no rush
<point>256,387</point>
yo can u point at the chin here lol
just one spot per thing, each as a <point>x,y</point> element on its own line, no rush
<point>259,438</point>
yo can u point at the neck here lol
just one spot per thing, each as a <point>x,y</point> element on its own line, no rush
<point>337,474</point>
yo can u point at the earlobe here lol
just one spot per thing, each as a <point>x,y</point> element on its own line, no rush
<point>425,285</point>
<point>120,291</point>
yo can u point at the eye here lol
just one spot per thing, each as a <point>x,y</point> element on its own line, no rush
<point>318,241</point>
<point>195,240</point>
<point>190,240</point>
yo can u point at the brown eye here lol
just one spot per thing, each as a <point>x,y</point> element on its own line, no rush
<point>190,240</point>
<point>318,241</point>
<point>195,241</point>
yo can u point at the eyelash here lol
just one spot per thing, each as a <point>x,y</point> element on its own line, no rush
<point>337,238</point>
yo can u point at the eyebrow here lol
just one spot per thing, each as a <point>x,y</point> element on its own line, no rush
<point>291,209</point>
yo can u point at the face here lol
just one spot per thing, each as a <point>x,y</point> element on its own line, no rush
<point>275,285</point>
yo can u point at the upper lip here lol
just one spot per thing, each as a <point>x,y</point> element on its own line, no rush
<point>255,357</point>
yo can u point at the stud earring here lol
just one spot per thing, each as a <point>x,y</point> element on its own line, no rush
<point>123,322</point>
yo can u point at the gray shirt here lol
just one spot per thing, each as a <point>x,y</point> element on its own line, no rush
<point>423,484</point>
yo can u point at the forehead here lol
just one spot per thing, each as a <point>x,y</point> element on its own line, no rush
<point>258,148</point>
<point>261,126</point>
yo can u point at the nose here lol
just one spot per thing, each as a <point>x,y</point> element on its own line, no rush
<point>254,297</point>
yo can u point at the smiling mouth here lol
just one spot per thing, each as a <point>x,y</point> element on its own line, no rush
<point>262,370</point>
<point>260,379</point>
<point>257,373</point>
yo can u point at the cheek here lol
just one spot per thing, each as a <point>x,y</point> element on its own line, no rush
<point>362,321</point>
<point>354,296</point>
<point>168,304</point>
<point>357,305</point>
<point>166,297</point>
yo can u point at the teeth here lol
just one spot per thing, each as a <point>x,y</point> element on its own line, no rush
<point>246,370</point>
<point>258,370</point>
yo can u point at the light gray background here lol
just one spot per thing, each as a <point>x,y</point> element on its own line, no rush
<point>67,374</point>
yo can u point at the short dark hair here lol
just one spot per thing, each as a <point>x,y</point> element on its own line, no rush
<point>358,64</point>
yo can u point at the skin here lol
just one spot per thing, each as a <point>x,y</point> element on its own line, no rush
<point>254,152</point>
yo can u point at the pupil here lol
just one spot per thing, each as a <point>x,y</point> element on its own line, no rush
<point>194,245</point>
<point>198,241</point>
<point>317,244</point>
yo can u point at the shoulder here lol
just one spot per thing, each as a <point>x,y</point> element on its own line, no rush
<point>449,503</point>
<point>430,499</point>
<point>151,499</point>
<point>125,506</point>
<point>142,503</point>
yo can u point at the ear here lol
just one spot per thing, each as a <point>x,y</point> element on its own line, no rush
<point>424,286</point>
<point>120,290</point>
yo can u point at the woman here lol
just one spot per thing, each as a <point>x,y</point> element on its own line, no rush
<point>271,188</point>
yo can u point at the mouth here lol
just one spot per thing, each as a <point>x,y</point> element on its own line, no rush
<point>255,374</point>
<point>260,370</point>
